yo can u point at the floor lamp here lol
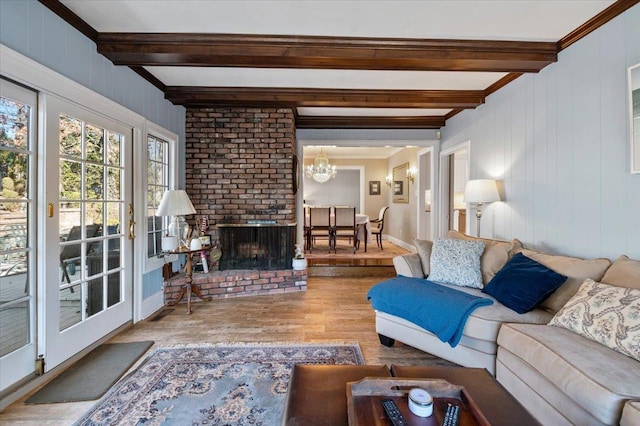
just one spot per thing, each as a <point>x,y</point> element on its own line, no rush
<point>479,192</point>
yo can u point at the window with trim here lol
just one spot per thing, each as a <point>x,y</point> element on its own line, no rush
<point>159,171</point>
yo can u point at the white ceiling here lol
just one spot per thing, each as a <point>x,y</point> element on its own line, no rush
<point>543,20</point>
<point>352,152</point>
<point>519,20</point>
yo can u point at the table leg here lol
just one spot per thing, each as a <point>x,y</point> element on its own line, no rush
<point>189,287</point>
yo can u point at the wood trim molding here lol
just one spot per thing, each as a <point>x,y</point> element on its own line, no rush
<point>502,82</point>
<point>596,22</point>
<point>335,122</point>
<point>273,51</point>
<point>340,98</point>
<point>71,18</point>
<point>142,72</point>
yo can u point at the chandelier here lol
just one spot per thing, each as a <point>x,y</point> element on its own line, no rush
<point>321,171</point>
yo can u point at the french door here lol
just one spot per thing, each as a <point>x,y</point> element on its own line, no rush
<point>88,193</point>
<point>18,135</point>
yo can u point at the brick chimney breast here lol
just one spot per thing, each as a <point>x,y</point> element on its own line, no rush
<point>238,163</point>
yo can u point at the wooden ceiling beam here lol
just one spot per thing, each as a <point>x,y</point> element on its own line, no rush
<point>344,122</point>
<point>337,98</point>
<point>274,51</point>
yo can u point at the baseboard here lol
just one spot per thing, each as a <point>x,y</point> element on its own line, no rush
<point>401,243</point>
<point>151,305</point>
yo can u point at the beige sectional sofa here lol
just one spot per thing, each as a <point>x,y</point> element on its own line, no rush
<point>560,376</point>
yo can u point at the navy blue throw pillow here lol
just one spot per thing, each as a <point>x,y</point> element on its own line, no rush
<point>523,284</point>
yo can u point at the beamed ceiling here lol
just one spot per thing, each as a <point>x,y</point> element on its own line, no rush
<point>338,64</point>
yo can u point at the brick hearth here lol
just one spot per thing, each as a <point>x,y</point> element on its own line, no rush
<point>223,284</point>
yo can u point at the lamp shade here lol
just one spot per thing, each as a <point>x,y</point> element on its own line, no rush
<point>481,191</point>
<point>175,202</point>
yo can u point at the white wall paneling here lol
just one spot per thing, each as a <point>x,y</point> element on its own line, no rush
<point>559,141</point>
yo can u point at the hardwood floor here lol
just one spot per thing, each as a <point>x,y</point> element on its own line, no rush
<point>332,309</point>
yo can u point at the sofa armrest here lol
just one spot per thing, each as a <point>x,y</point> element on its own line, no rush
<point>408,265</point>
<point>630,414</point>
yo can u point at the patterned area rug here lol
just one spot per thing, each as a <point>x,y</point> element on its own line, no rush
<point>242,384</point>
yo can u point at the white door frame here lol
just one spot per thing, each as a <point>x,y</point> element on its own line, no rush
<point>421,187</point>
<point>60,345</point>
<point>443,182</point>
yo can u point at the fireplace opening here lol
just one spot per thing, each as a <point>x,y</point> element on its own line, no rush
<point>259,246</point>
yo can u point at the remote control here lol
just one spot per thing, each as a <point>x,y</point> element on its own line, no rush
<point>394,414</point>
<point>451,416</point>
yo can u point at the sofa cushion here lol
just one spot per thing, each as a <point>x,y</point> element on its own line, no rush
<point>423,247</point>
<point>606,314</point>
<point>484,322</point>
<point>575,269</point>
<point>631,414</point>
<point>624,272</point>
<point>495,256</point>
<point>597,378</point>
<point>523,284</point>
<point>408,265</point>
<point>456,262</point>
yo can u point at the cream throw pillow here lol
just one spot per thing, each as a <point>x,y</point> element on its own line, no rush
<point>496,253</point>
<point>423,247</point>
<point>624,272</point>
<point>607,314</point>
<point>575,269</point>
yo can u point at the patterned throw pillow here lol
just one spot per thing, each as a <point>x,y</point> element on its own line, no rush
<point>456,262</point>
<point>606,314</point>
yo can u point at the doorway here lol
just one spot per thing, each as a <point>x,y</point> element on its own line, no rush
<point>454,172</point>
<point>426,194</point>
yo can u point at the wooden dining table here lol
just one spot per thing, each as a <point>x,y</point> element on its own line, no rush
<point>363,231</point>
<point>361,219</point>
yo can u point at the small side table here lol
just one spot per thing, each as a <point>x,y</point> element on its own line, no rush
<point>189,286</point>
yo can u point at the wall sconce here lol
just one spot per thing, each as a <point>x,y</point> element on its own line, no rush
<point>388,180</point>
<point>411,174</point>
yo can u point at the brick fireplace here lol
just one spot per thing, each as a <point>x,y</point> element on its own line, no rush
<point>239,170</point>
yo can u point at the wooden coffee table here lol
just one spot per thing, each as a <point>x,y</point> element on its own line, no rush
<point>317,394</point>
<point>497,405</point>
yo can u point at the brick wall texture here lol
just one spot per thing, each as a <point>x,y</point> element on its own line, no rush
<point>224,284</point>
<point>239,168</point>
<point>239,163</point>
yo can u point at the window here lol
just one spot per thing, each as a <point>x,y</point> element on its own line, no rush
<point>157,184</point>
<point>160,177</point>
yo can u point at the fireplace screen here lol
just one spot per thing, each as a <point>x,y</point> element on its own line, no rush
<point>256,246</point>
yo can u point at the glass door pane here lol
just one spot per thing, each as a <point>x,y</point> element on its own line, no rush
<point>89,254</point>
<point>17,304</point>
<point>90,209</point>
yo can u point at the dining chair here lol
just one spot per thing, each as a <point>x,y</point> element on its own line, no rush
<point>377,225</point>
<point>319,225</point>
<point>344,226</point>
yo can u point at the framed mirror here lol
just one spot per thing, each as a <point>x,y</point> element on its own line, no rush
<point>634,116</point>
<point>400,184</point>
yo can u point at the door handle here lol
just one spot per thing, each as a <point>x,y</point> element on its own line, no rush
<point>132,223</point>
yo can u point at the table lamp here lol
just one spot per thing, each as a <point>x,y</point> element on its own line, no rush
<point>176,203</point>
<point>479,192</point>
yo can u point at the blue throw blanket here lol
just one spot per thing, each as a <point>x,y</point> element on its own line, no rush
<point>436,308</point>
